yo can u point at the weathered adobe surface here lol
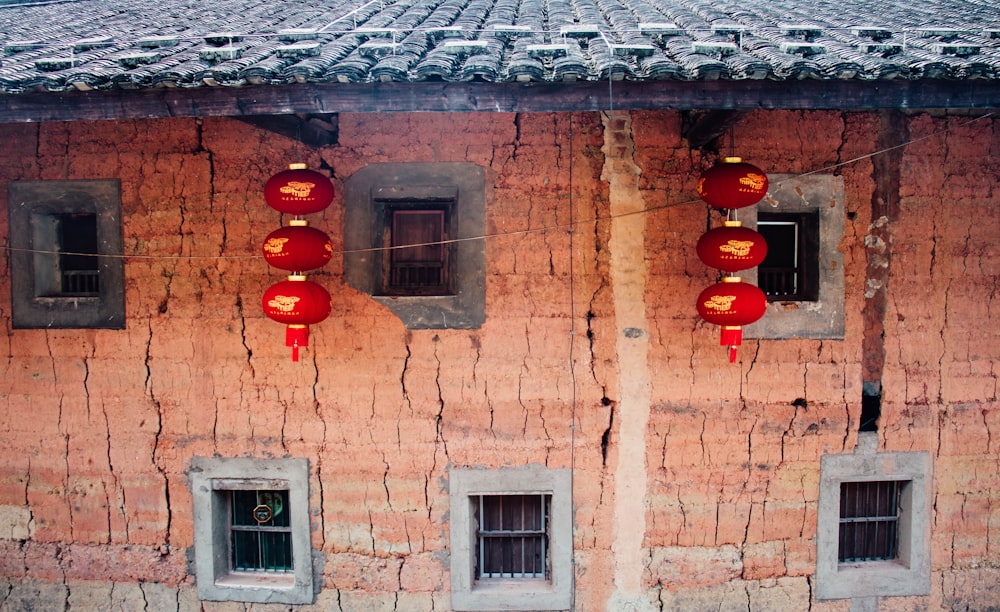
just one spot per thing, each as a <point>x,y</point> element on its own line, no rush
<point>100,426</point>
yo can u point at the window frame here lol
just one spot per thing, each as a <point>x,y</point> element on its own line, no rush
<point>823,318</point>
<point>469,593</point>
<point>34,210</point>
<point>212,480</point>
<point>909,572</point>
<point>458,186</point>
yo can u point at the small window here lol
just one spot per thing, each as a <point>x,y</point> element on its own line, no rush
<point>413,241</point>
<point>790,272</point>
<point>873,523</point>
<point>802,219</point>
<point>869,515</point>
<point>251,530</point>
<point>67,269</point>
<point>512,536</point>
<point>417,261</point>
<point>511,539</point>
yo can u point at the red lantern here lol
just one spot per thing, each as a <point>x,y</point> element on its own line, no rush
<point>298,303</point>
<point>732,304</point>
<point>298,191</point>
<point>298,247</point>
<point>732,247</point>
<point>732,184</point>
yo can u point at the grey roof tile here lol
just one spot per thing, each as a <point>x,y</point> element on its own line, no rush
<point>92,44</point>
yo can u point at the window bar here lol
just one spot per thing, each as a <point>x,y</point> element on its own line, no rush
<point>482,540</point>
<point>544,537</point>
<point>262,564</point>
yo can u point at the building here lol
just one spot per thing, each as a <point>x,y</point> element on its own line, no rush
<point>162,450</point>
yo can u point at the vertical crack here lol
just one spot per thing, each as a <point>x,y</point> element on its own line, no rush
<point>154,458</point>
<point>606,436</point>
<point>886,175</point>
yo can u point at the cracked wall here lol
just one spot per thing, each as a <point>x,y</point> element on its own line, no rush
<point>695,481</point>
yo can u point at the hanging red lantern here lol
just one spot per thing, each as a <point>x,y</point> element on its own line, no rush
<point>297,303</point>
<point>732,247</point>
<point>298,191</point>
<point>297,247</point>
<point>732,183</point>
<point>732,304</point>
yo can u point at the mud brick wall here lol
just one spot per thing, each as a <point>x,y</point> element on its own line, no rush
<point>695,480</point>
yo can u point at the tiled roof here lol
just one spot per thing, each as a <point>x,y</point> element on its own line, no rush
<point>136,44</point>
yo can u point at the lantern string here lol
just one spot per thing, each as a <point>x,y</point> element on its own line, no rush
<point>496,235</point>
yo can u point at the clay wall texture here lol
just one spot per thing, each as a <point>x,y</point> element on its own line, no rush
<point>695,480</point>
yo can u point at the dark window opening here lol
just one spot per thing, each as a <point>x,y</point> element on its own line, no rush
<point>512,536</point>
<point>869,516</point>
<point>790,272</point>
<point>417,260</point>
<point>66,262</point>
<point>261,534</point>
<point>871,406</point>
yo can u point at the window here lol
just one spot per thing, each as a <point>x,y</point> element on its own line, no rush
<point>66,264</point>
<point>511,536</point>
<point>412,236</point>
<point>869,515</point>
<point>252,539</point>
<point>511,539</point>
<point>802,219</point>
<point>261,532</point>
<point>417,263</point>
<point>790,270</point>
<point>873,530</point>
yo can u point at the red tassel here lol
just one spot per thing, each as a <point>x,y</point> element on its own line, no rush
<point>296,336</point>
<point>732,336</point>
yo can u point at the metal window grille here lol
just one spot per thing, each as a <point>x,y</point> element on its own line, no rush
<point>512,536</point>
<point>869,519</point>
<point>81,282</point>
<point>260,531</point>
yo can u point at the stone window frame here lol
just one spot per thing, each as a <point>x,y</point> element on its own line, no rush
<point>909,573</point>
<point>469,594</point>
<point>824,195</point>
<point>30,309</point>
<point>210,478</point>
<point>459,186</point>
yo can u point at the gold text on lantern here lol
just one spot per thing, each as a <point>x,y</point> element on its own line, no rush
<point>720,303</point>
<point>753,181</point>
<point>738,248</point>
<point>284,303</point>
<point>298,189</point>
<point>275,245</point>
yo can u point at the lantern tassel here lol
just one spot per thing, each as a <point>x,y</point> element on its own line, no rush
<point>296,336</point>
<point>732,336</point>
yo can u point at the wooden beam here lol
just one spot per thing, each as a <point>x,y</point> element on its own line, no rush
<point>313,130</point>
<point>706,126</point>
<point>490,97</point>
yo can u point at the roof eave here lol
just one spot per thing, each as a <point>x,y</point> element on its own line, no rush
<point>498,97</point>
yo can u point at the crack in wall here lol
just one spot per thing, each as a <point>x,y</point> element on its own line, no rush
<point>886,176</point>
<point>606,436</point>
